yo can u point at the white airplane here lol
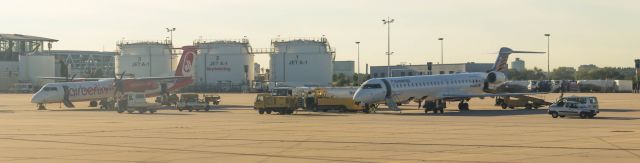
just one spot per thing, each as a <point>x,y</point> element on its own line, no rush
<point>113,88</point>
<point>435,90</point>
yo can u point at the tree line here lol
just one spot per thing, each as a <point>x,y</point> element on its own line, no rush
<point>584,72</point>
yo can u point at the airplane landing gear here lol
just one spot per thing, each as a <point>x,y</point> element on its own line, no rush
<point>434,106</point>
<point>463,105</point>
<point>41,106</point>
<point>93,104</point>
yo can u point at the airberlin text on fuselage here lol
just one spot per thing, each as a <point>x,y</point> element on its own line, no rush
<point>89,91</point>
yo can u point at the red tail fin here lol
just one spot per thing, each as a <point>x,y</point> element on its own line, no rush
<point>185,66</point>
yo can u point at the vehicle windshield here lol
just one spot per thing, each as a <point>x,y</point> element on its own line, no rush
<point>578,100</point>
<point>281,92</point>
<point>371,86</point>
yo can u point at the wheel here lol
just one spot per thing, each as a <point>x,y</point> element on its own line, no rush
<point>260,111</point>
<point>324,110</point>
<point>197,109</point>
<point>93,104</point>
<point>120,110</point>
<point>554,114</point>
<point>426,111</point>
<point>528,106</point>
<point>465,107</point>
<point>460,106</point>
<point>367,110</point>
<point>503,105</point>
<point>583,115</point>
<point>268,111</point>
<point>180,109</point>
<point>190,109</point>
<point>536,107</point>
<point>152,111</point>
<point>511,107</point>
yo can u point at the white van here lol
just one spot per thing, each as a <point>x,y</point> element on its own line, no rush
<point>583,106</point>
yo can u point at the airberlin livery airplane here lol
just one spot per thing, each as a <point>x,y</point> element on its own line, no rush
<point>435,90</point>
<point>105,88</point>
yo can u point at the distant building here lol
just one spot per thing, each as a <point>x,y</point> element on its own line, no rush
<point>415,70</point>
<point>85,63</point>
<point>518,65</point>
<point>344,67</point>
<point>14,46</point>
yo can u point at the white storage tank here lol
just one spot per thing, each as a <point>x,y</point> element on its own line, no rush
<point>302,61</point>
<point>145,59</point>
<point>226,63</point>
<point>33,67</point>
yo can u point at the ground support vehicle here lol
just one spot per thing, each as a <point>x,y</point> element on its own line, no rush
<point>585,107</point>
<point>214,99</point>
<point>192,101</point>
<point>132,102</point>
<point>527,102</point>
<point>330,99</point>
<point>267,103</point>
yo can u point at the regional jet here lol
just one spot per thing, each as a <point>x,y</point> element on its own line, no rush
<point>435,90</point>
<point>94,89</point>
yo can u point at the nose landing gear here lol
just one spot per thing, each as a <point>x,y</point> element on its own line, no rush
<point>41,106</point>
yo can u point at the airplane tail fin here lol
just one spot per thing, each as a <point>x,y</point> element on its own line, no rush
<point>503,57</point>
<point>185,65</point>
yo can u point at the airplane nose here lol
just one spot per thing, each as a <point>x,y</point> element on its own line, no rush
<point>36,98</point>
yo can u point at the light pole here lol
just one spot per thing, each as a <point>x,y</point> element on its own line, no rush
<point>358,75</point>
<point>441,50</point>
<point>548,56</point>
<point>170,30</point>
<point>388,22</point>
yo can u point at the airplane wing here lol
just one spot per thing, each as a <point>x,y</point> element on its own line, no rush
<point>74,79</point>
<point>487,95</point>
<point>159,78</point>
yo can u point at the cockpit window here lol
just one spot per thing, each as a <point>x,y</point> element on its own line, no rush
<point>49,89</point>
<point>371,86</point>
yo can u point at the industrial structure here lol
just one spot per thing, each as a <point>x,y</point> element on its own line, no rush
<point>415,70</point>
<point>301,62</point>
<point>23,58</point>
<point>88,64</point>
<point>224,65</point>
<point>145,58</point>
<point>345,68</point>
<point>518,65</point>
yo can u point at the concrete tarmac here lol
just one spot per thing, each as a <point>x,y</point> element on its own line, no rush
<point>235,133</point>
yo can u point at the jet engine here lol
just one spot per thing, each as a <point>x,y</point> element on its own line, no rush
<point>495,77</point>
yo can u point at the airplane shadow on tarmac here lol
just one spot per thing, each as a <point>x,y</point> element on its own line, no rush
<point>479,113</point>
<point>619,110</point>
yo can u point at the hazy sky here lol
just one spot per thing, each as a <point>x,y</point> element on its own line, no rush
<point>602,32</point>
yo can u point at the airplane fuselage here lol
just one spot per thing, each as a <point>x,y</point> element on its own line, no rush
<point>430,87</point>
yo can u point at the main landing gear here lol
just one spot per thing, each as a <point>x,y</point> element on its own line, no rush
<point>435,106</point>
<point>463,105</point>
